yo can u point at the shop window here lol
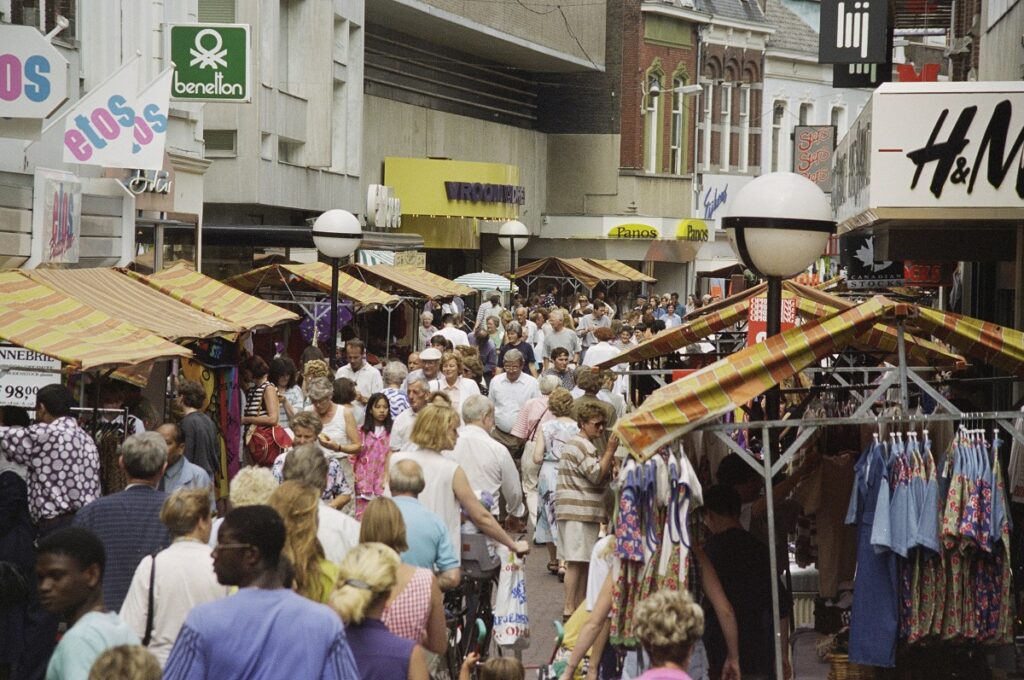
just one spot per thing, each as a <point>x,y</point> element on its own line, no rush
<point>217,11</point>
<point>289,151</point>
<point>652,124</point>
<point>778,119</point>
<point>43,15</point>
<point>220,143</point>
<point>679,127</point>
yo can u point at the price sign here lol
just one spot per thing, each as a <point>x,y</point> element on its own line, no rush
<point>23,373</point>
<point>757,318</point>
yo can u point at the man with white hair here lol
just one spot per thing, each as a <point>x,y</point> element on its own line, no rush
<point>509,391</point>
<point>418,392</point>
<point>529,327</point>
<point>451,331</point>
<point>560,336</point>
<point>487,464</point>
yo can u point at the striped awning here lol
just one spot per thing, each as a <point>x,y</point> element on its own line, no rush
<point>625,270</point>
<point>453,287</point>
<point>408,281</point>
<point>39,318</point>
<point>213,297</point>
<point>721,387</point>
<point>127,299</point>
<point>316,275</point>
<point>485,281</point>
<point>578,268</point>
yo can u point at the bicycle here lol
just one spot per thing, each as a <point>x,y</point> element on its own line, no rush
<point>468,607</point>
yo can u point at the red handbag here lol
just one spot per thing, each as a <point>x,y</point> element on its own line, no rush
<point>266,443</point>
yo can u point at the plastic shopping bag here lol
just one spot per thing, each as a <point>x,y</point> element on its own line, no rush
<point>511,622</point>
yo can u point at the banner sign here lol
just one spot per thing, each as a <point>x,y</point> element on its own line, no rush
<point>715,194</point>
<point>56,217</point>
<point>23,373</point>
<point>212,62</point>
<point>757,317</point>
<point>862,270</point>
<point>853,32</point>
<point>812,153</point>
<point>928,274</point>
<point>116,125</point>
<point>33,74</point>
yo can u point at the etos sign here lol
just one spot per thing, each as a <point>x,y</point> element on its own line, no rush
<point>33,74</point>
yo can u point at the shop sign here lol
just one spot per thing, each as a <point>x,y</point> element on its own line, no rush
<point>211,62</point>
<point>383,209</point>
<point>863,271</point>
<point>928,274</point>
<point>853,32</point>
<point>116,125</point>
<point>812,153</point>
<point>757,318</point>
<point>716,192</point>
<point>851,168</point>
<point>23,373</point>
<point>692,230</point>
<point>633,231</point>
<point>56,217</point>
<point>434,187</point>
<point>411,258</point>
<point>33,74</point>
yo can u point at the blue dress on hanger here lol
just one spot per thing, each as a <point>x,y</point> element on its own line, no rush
<point>873,624</point>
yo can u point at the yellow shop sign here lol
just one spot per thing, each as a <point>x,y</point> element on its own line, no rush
<point>637,231</point>
<point>692,230</point>
<point>444,188</point>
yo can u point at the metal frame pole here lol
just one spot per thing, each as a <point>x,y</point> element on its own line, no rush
<point>334,313</point>
<point>773,326</point>
<point>773,558</point>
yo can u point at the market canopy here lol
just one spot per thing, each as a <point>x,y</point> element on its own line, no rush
<point>411,281</point>
<point>811,302</point>
<point>624,270</point>
<point>127,299</point>
<point>485,281</point>
<point>315,275</point>
<point>722,386</point>
<point>213,297</point>
<point>44,320</point>
<point>587,272</point>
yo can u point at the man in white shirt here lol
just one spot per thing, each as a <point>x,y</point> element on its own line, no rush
<point>418,392</point>
<point>451,331</point>
<point>367,378</point>
<point>509,391</point>
<point>490,308</point>
<point>487,464</point>
<point>430,361</point>
<point>598,319</point>
<point>337,532</point>
<point>529,327</point>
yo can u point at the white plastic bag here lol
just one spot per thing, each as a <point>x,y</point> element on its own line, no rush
<point>511,622</point>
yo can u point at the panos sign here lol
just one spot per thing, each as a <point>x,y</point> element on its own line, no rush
<point>33,74</point>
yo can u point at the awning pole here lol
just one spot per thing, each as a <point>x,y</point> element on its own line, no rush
<point>772,556</point>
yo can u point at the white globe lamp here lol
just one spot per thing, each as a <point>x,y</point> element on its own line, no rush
<point>337,233</point>
<point>513,237</point>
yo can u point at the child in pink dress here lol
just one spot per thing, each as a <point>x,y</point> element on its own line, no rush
<point>371,462</point>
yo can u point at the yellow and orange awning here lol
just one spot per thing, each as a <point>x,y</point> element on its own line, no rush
<point>315,275</point>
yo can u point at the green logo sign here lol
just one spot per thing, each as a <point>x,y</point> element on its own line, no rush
<point>211,62</point>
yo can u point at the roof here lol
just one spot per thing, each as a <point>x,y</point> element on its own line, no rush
<point>39,318</point>
<point>419,282</point>
<point>792,33</point>
<point>128,299</point>
<point>216,298</point>
<point>316,275</point>
<point>719,388</point>
<point>586,271</point>
<point>625,270</point>
<point>741,10</point>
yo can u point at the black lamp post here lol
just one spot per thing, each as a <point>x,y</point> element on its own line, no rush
<point>336,234</point>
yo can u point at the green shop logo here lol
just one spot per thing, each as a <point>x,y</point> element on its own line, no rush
<point>211,62</point>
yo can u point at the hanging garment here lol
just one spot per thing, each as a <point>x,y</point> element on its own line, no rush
<point>873,623</point>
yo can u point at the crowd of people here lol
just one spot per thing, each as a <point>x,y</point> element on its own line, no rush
<point>330,553</point>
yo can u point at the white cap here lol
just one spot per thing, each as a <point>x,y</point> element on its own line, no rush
<point>430,354</point>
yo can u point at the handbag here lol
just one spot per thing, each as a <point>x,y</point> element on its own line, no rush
<point>266,443</point>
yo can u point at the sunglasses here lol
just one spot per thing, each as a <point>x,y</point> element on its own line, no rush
<point>233,546</point>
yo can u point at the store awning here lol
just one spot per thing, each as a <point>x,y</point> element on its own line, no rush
<point>719,388</point>
<point>583,270</point>
<point>625,270</point>
<point>39,318</point>
<point>315,275</point>
<point>486,281</point>
<point>213,297</point>
<point>125,298</point>
<point>408,280</point>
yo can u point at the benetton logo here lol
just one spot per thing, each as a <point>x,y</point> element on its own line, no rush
<point>952,166</point>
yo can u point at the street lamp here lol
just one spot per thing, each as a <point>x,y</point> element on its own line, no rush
<point>778,225</point>
<point>513,237</point>
<point>336,234</point>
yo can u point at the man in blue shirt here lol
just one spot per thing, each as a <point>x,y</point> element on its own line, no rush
<point>430,547</point>
<point>181,473</point>
<point>265,631</point>
<point>128,522</point>
<point>69,571</point>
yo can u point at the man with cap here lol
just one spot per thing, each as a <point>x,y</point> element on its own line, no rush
<point>430,358</point>
<point>490,308</point>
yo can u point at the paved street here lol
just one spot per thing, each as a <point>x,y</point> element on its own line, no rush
<point>544,597</point>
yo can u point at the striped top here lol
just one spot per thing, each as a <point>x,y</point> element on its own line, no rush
<point>580,488</point>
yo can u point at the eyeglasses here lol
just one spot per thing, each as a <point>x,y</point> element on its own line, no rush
<point>599,423</point>
<point>233,546</point>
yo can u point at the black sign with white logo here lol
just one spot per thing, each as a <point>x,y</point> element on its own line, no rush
<point>862,270</point>
<point>854,32</point>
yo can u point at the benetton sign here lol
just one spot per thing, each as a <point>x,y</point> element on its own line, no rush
<point>211,62</point>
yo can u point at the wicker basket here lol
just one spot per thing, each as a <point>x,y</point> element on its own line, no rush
<point>841,669</point>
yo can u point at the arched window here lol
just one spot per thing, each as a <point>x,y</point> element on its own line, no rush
<point>652,121</point>
<point>778,138</point>
<point>680,126</point>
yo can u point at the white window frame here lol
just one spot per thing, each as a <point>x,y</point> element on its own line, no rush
<point>726,126</point>
<point>837,117</point>
<point>709,107</point>
<point>806,113</point>
<point>677,142</point>
<point>651,127</point>
<point>744,128</point>
<point>778,140</point>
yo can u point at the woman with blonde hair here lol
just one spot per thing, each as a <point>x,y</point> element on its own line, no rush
<point>452,382</point>
<point>415,608</point>
<point>366,578</point>
<point>251,486</point>
<point>126,662</point>
<point>447,493</point>
<point>668,624</point>
<point>180,576</point>
<point>314,575</point>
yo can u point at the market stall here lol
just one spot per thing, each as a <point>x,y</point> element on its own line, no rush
<point>698,402</point>
<point>575,272</point>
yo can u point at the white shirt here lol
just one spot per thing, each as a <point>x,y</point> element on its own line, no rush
<point>531,332</point>
<point>457,337</point>
<point>616,400</point>
<point>601,560</point>
<point>463,389</point>
<point>508,398</point>
<point>401,429</point>
<point>600,353</point>
<point>368,382</point>
<point>489,467</point>
<point>438,495</point>
<point>184,578</point>
<point>338,533</point>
